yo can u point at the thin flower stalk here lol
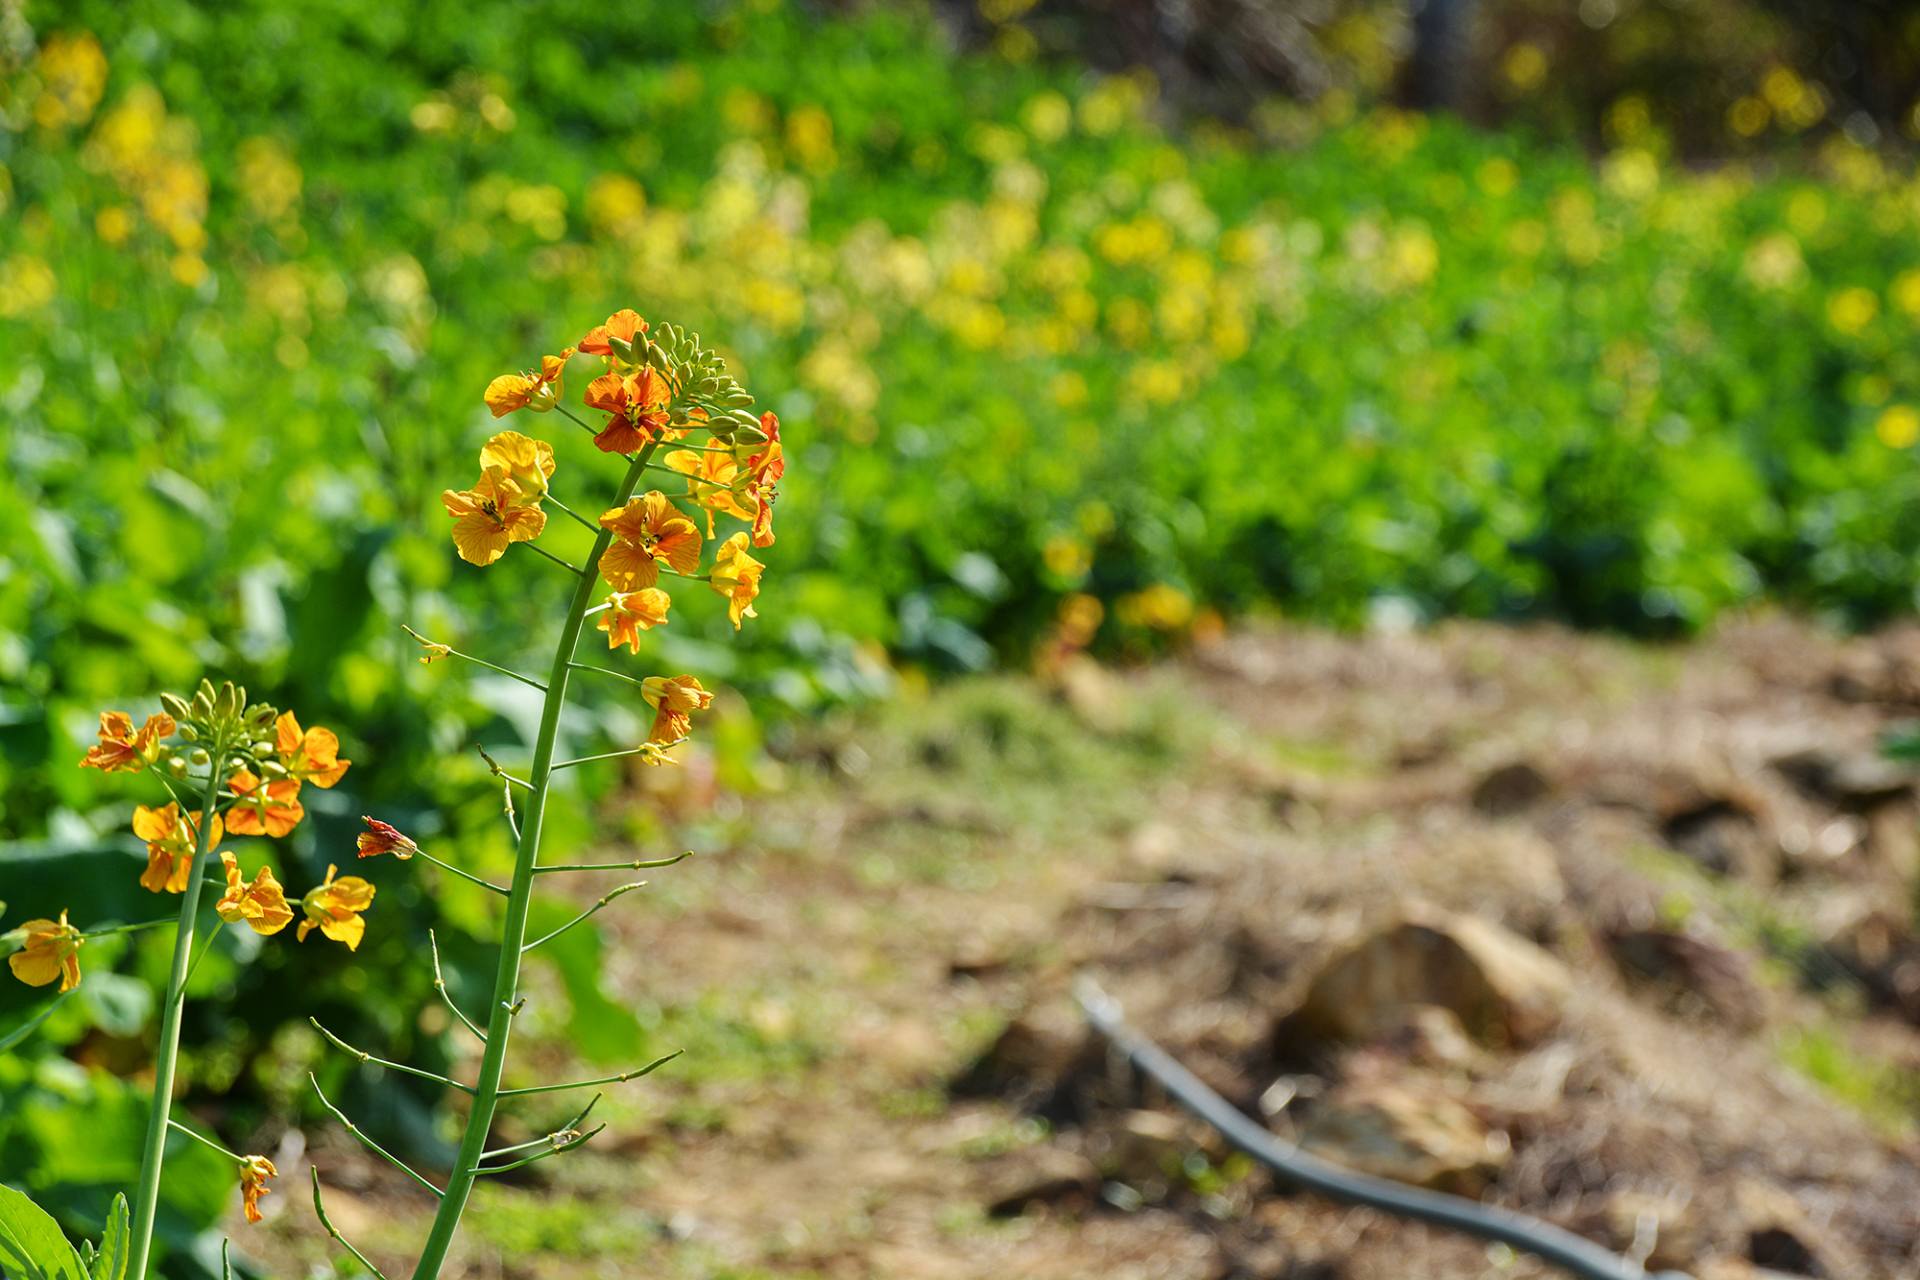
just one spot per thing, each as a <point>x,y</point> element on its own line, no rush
<point>166,1060</point>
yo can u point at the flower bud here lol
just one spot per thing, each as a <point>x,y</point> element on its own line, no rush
<point>272,769</point>
<point>177,766</point>
<point>189,734</point>
<point>176,706</point>
<point>200,758</point>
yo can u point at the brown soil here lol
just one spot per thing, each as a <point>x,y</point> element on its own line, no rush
<point>1703,836</point>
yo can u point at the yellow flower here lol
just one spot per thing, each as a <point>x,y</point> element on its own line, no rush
<point>52,950</point>
<point>120,748</point>
<point>273,810</point>
<point>334,908</point>
<point>490,516</point>
<point>262,904</point>
<point>623,327</point>
<point>647,530</point>
<point>674,698</point>
<point>637,405</point>
<point>172,841</point>
<point>312,755</point>
<point>1898,427</point>
<point>73,71</point>
<point>711,477</point>
<point>538,391</point>
<point>629,613</point>
<point>1852,310</point>
<point>736,575</point>
<point>254,1172</point>
<point>527,462</point>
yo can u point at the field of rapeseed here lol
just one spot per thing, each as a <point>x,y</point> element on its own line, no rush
<point>1040,346</point>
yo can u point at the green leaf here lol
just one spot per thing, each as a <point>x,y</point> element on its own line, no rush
<point>31,1246</point>
<point>114,1243</point>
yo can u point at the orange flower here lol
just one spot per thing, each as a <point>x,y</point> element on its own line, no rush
<point>637,403</point>
<point>629,613</point>
<point>764,471</point>
<point>310,756</point>
<point>334,908</point>
<point>625,324</point>
<point>381,837</point>
<point>491,515</point>
<point>674,698</point>
<point>711,480</point>
<point>172,842</point>
<point>537,391</point>
<point>273,810</point>
<point>527,462</point>
<point>254,1172</point>
<point>261,904</point>
<point>647,530</point>
<point>51,951</point>
<point>120,748</point>
<point>736,575</point>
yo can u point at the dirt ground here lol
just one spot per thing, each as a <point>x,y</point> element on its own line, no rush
<point>1675,1006</point>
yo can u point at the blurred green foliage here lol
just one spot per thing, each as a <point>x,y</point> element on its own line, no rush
<point>258,260</point>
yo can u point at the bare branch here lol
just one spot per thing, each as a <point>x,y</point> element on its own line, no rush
<point>493,767</point>
<point>401,1067</point>
<point>641,864</point>
<point>591,911</point>
<point>320,1211</point>
<point>577,1140</point>
<point>464,875</point>
<point>651,1067</point>
<point>369,1143</point>
<point>440,985</point>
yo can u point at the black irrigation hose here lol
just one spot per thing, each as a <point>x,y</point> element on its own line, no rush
<point>1562,1248</point>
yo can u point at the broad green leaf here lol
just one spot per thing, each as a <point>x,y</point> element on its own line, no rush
<point>114,1244</point>
<point>31,1246</point>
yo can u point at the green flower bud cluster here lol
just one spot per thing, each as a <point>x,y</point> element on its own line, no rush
<point>703,381</point>
<point>242,732</point>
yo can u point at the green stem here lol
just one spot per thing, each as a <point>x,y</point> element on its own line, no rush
<point>203,1140</point>
<point>167,1053</point>
<point>579,519</point>
<point>205,947</point>
<point>464,875</point>
<point>556,559</point>
<point>506,982</point>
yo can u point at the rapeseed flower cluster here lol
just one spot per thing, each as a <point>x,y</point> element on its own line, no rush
<point>656,391</point>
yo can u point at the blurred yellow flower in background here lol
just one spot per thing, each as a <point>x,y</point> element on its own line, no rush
<point>72,71</point>
<point>1898,426</point>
